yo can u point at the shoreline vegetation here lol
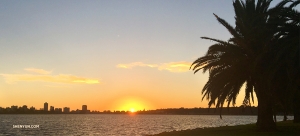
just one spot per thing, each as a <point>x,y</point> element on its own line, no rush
<point>284,128</point>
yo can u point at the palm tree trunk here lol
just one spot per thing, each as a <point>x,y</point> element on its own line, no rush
<point>284,115</point>
<point>296,114</point>
<point>274,116</point>
<point>296,107</point>
<point>265,120</point>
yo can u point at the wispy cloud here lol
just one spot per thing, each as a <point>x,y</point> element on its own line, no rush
<point>38,71</point>
<point>135,64</point>
<point>181,66</point>
<point>45,76</point>
<point>57,86</point>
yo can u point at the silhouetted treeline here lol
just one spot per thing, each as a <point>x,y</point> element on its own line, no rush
<point>204,111</point>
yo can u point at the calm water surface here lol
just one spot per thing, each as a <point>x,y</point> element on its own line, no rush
<point>113,125</point>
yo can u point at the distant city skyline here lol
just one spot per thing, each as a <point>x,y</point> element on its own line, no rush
<point>15,109</point>
<point>52,108</point>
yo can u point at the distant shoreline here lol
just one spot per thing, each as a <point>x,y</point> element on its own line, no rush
<point>235,111</point>
<point>168,111</point>
<point>115,114</point>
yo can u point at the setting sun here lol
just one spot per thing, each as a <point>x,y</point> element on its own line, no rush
<point>132,110</point>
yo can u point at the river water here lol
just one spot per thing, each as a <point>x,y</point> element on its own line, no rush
<point>111,125</point>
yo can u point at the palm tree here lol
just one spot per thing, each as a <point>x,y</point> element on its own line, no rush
<point>287,58</point>
<point>243,59</point>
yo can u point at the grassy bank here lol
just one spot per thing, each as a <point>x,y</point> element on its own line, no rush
<point>284,128</point>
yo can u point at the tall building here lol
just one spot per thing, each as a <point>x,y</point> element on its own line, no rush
<point>84,107</point>
<point>52,108</point>
<point>66,109</point>
<point>45,106</point>
<point>58,110</point>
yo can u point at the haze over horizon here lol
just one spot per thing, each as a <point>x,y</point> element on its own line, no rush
<point>109,55</point>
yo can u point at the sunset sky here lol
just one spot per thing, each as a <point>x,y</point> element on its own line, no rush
<point>107,54</point>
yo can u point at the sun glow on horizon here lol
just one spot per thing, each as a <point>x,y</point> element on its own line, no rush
<point>132,110</point>
<point>131,104</point>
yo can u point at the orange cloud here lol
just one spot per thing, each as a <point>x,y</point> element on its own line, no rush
<point>43,75</point>
<point>181,66</point>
